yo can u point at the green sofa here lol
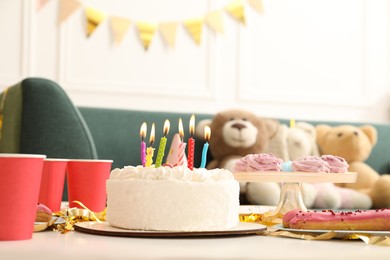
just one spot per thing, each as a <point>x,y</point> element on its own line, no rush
<point>39,118</point>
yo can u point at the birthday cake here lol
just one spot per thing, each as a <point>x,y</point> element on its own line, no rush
<point>172,199</point>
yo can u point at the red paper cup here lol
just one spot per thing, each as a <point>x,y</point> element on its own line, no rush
<point>20,179</point>
<point>87,183</point>
<point>52,183</point>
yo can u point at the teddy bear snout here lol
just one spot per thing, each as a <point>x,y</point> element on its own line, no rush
<point>239,126</point>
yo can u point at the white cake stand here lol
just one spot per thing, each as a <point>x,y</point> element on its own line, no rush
<point>290,194</point>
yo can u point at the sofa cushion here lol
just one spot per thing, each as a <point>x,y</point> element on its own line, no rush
<point>11,115</point>
<point>51,124</point>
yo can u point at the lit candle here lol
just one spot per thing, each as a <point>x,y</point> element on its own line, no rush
<point>191,143</point>
<point>142,134</point>
<point>207,133</point>
<point>292,123</point>
<point>182,145</point>
<point>150,150</point>
<point>163,143</point>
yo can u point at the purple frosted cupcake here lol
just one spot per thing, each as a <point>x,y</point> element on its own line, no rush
<point>336,163</point>
<point>310,164</point>
<point>263,162</point>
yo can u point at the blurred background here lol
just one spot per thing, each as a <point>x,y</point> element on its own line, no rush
<point>303,59</point>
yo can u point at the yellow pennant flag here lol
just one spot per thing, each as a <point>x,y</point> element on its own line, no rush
<point>236,9</point>
<point>194,28</point>
<point>66,8</point>
<point>168,31</point>
<point>94,18</point>
<point>214,21</point>
<point>119,28</point>
<point>257,5</point>
<point>146,32</point>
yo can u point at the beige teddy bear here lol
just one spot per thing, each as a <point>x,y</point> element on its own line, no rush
<point>355,144</point>
<point>236,133</point>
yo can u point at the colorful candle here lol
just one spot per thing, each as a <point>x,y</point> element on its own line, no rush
<point>207,134</point>
<point>163,143</point>
<point>182,145</point>
<point>292,123</point>
<point>150,150</point>
<point>142,134</point>
<point>191,144</point>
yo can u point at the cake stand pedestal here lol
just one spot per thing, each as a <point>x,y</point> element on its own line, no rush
<point>291,194</point>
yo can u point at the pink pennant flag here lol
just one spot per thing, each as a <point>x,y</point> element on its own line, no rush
<point>67,7</point>
<point>40,4</point>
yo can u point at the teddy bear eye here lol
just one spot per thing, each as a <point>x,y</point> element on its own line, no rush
<point>244,119</point>
<point>232,118</point>
<point>340,134</point>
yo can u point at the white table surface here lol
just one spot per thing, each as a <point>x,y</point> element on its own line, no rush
<point>76,245</point>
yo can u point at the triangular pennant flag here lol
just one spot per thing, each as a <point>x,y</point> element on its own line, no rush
<point>94,18</point>
<point>194,28</point>
<point>66,8</point>
<point>168,31</point>
<point>40,4</point>
<point>119,28</point>
<point>214,21</point>
<point>257,5</point>
<point>146,32</point>
<point>236,9</point>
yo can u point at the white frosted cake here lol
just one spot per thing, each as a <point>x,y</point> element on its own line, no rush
<point>172,199</point>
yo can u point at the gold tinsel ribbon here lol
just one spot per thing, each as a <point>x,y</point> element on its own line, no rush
<point>72,216</point>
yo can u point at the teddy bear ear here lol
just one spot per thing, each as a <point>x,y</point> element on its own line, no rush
<point>199,129</point>
<point>371,133</point>
<point>322,131</point>
<point>308,128</point>
<point>272,126</point>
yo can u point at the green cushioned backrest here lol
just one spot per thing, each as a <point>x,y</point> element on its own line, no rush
<point>116,132</point>
<point>11,106</point>
<point>51,124</point>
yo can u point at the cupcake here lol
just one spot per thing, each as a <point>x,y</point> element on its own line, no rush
<point>336,163</point>
<point>263,162</point>
<point>310,164</point>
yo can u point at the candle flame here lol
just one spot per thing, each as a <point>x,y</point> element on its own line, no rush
<point>142,131</point>
<point>192,125</point>
<point>166,127</point>
<point>152,135</point>
<point>181,130</point>
<point>207,133</point>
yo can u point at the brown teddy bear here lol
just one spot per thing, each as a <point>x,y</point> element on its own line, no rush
<point>236,133</point>
<point>355,144</point>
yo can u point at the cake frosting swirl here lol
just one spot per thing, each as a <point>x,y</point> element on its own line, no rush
<point>310,164</point>
<point>259,162</point>
<point>337,164</point>
<point>172,199</point>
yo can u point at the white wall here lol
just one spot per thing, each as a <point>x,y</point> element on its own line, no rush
<point>305,59</point>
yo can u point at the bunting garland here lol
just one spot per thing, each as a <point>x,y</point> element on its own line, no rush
<point>119,28</point>
<point>168,31</point>
<point>147,30</point>
<point>94,19</point>
<point>236,9</point>
<point>194,27</point>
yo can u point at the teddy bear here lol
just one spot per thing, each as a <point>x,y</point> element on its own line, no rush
<point>291,143</point>
<point>354,144</point>
<point>236,133</point>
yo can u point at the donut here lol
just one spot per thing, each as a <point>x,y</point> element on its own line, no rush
<point>262,162</point>
<point>44,214</point>
<point>369,220</point>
